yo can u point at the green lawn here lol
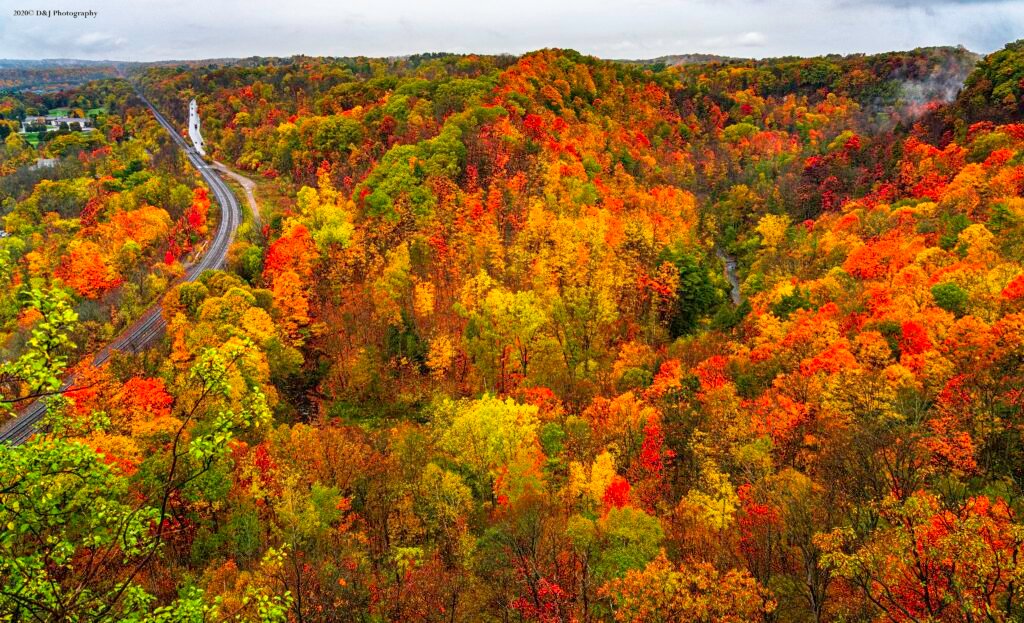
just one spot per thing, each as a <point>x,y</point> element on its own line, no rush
<point>59,112</point>
<point>96,111</point>
<point>32,138</point>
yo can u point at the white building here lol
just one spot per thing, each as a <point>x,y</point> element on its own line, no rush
<point>43,163</point>
<point>53,122</point>
<point>193,127</point>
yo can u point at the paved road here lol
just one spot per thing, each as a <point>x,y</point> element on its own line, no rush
<point>150,326</point>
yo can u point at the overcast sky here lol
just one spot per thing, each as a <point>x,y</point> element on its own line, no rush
<point>145,30</point>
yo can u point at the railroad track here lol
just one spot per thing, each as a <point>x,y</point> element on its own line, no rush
<point>147,330</point>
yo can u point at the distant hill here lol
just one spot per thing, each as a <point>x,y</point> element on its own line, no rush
<point>674,60</point>
<point>50,75</point>
<point>995,91</point>
<point>19,63</point>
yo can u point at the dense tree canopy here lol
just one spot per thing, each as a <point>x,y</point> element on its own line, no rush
<point>545,338</point>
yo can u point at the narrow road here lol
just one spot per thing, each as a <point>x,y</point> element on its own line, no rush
<point>248,186</point>
<point>730,274</point>
<point>149,327</point>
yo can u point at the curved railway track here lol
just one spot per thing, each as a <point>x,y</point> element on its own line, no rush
<point>145,331</point>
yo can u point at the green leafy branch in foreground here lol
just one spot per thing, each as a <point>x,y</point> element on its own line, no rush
<point>73,538</point>
<point>39,370</point>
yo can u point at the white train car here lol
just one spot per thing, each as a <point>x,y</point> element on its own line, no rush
<point>193,127</point>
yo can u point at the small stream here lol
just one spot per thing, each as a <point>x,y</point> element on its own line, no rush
<point>730,274</point>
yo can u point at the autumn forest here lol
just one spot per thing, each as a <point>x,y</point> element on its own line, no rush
<point>541,338</point>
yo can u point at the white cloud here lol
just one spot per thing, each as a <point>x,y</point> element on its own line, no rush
<point>753,39</point>
<point>99,42</point>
